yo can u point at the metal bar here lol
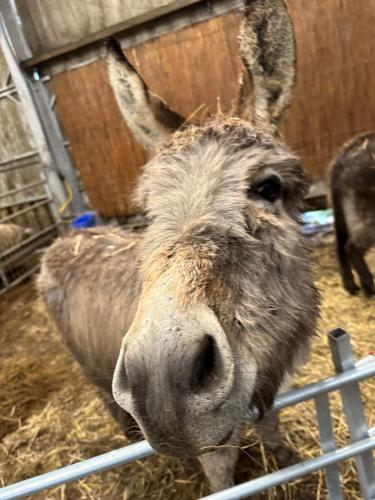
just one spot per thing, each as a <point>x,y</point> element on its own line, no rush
<point>342,355</point>
<point>293,472</point>
<point>14,97</point>
<point>76,471</point>
<point>328,444</point>
<point>362,370</point>
<point>24,244</point>
<point>11,89</point>
<point>7,79</point>
<point>24,156</point>
<point>19,280</point>
<point>22,188</point>
<point>55,141</point>
<point>7,91</point>
<point>14,22</point>
<point>56,189</point>
<point>18,166</point>
<point>35,98</point>
<point>143,449</point>
<point>4,278</point>
<point>25,201</point>
<point>25,210</point>
<point>7,88</point>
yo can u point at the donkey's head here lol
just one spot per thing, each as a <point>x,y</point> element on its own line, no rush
<point>228,302</point>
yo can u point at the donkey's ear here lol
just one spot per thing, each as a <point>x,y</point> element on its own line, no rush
<point>148,117</point>
<point>267,48</point>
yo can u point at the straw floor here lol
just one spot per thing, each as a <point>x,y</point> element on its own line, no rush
<point>50,416</point>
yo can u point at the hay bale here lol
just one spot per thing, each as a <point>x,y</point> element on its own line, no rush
<point>50,416</point>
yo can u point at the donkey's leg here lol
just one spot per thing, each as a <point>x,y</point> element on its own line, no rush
<point>346,271</point>
<point>357,258</point>
<point>269,432</point>
<point>342,233</point>
<point>219,467</point>
<point>341,245</point>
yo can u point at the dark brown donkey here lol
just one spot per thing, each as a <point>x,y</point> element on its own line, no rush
<point>209,311</point>
<point>352,183</point>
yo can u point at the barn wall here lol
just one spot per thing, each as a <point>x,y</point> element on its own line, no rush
<point>195,66</point>
<point>54,23</point>
<point>335,93</point>
<point>179,67</point>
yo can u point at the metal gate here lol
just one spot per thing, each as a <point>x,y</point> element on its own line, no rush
<point>38,185</point>
<point>347,378</point>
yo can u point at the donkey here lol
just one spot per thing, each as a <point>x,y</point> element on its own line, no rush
<point>352,186</point>
<point>207,313</point>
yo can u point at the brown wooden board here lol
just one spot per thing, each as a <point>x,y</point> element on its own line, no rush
<point>335,93</point>
<point>53,26</point>
<point>181,67</point>
<point>199,65</point>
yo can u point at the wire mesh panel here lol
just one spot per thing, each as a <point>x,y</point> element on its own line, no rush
<point>26,221</point>
<point>36,174</point>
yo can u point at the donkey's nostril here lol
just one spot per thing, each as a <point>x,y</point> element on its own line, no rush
<point>206,365</point>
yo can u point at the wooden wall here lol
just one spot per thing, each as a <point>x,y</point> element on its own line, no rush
<point>49,24</point>
<point>199,64</point>
<point>179,66</point>
<point>335,93</point>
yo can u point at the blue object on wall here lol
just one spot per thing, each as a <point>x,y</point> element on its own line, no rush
<point>85,220</point>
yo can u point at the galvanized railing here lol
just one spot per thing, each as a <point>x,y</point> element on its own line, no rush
<point>347,378</point>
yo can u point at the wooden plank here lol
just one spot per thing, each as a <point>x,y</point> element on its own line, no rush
<point>175,21</point>
<point>333,98</point>
<point>335,79</point>
<point>107,157</point>
<point>96,34</point>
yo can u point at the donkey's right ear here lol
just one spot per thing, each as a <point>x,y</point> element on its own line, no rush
<point>147,115</point>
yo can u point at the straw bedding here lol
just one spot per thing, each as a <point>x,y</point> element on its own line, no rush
<point>50,416</point>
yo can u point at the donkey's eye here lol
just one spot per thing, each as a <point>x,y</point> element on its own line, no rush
<point>268,189</point>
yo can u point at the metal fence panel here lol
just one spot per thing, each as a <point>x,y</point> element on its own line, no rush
<point>363,441</point>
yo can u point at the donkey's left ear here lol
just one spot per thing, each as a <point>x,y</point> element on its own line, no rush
<point>268,53</point>
<point>147,115</point>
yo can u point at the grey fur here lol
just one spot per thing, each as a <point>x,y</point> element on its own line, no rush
<point>215,301</point>
<point>146,114</point>
<point>267,47</point>
<point>352,184</point>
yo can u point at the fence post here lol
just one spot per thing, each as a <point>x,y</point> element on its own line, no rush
<point>327,442</point>
<point>342,355</point>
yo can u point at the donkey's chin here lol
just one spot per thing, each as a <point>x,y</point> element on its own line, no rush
<point>186,449</point>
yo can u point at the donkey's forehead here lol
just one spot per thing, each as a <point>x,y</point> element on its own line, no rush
<point>232,134</point>
<point>217,158</point>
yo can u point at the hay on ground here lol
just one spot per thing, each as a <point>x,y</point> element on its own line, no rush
<point>50,416</point>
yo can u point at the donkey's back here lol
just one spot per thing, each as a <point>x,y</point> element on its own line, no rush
<point>90,284</point>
